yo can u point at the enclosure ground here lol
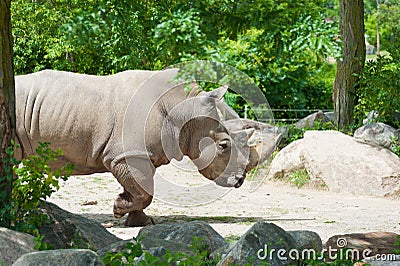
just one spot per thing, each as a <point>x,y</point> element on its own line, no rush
<point>231,215</point>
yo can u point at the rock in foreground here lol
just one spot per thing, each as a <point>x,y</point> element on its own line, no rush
<point>68,230</point>
<point>182,234</point>
<point>77,257</point>
<point>13,245</point>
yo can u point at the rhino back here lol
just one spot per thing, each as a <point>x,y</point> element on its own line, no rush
<point>74,112</point>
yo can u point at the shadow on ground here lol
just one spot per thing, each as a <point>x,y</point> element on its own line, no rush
<point>109,218</point>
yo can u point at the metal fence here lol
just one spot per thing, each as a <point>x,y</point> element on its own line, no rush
<point>286,115</point>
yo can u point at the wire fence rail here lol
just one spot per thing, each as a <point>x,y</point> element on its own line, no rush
<point>286,115</point>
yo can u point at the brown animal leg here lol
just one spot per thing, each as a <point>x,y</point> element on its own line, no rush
<point>136,196</point>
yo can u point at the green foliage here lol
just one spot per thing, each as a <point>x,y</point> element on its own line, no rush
<point>397,245</point>
<point>36,181</point>
<point>40,244</point>
<point>379,88</point>
<point>6,210</point>
<point>124,257</point>
<point>132,251</point>
<point>179,35</point>
<point>395,145</point>
<point>287,65</point>
<point>281,45</point>
<point>299,178</point>
<point>322,262</point>
<point>387,19</point>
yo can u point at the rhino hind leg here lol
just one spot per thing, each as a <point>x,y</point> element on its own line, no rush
<point>138,218</point>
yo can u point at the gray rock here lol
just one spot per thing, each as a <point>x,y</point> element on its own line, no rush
<point>358,168</point>
<point>116,247</point>
<point>307,240</point>
<point>390,260</point>
<point>342,163</point>
<point>156,252</point>
<point>150,242</point>
<point>67,230</point>
<point>365,244</point>
<point>260,244</point>
<point>330,116</point>
<point>378,134</point>
<point>221,252</point>
<point>371,117</point>
<point>13,245</point>
<point>287,160</point>
<point>310,120</point>
<point>67,257</point>
<point>182,233</point>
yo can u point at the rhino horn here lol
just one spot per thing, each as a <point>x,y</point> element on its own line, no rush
<point>242,136</point>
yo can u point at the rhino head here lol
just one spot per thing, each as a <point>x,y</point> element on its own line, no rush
<point>219,155</point>
<point>228,157</point>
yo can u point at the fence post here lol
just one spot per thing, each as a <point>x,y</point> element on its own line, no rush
<point>245,111</point>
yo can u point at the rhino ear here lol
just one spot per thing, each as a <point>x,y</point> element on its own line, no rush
<point>211,97</point>
<point>242,136</point>
<point>218,93</point>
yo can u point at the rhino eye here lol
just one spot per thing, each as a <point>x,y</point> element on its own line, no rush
<point>223,144</point>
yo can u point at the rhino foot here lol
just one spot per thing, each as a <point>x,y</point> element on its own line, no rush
<point>122,205</point>
<point>138,218</point>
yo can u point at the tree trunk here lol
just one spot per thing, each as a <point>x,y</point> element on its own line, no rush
<point>352,62</point>
<point>7,106</point>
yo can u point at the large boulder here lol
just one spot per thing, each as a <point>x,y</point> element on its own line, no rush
<point>364,245</point>
<point>77,257</point>
<point>306,240</point>
<point>181,235</point>
<point>342,163</point>
<point>13,245</point>
<point>256,245</point>
<point>68,230</point>
<point>378,134</point>
<point>287,160</point>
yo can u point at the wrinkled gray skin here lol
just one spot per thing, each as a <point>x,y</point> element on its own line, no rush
<point>101,126</point>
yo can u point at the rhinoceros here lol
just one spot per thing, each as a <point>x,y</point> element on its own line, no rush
<point>129,124</point>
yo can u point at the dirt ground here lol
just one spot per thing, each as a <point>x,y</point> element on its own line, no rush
<point>181,194</point>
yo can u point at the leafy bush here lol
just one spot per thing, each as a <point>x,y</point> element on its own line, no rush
<point>290,76</point>
<point>179,35</point>
<point>35,181</point>
<point>395,145</point>
<point>379,88</point>
<point>281,45</point>
<point>299,178</point>
<point>397,245</point>
<point>133,251</point>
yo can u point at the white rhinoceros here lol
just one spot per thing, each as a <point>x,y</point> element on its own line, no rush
<point>128,124</point>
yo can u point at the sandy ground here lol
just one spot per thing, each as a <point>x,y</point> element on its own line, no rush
<point>181,194</point>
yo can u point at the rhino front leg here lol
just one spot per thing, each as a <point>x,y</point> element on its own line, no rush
<point>137,195</point>
<point>126,203</point>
